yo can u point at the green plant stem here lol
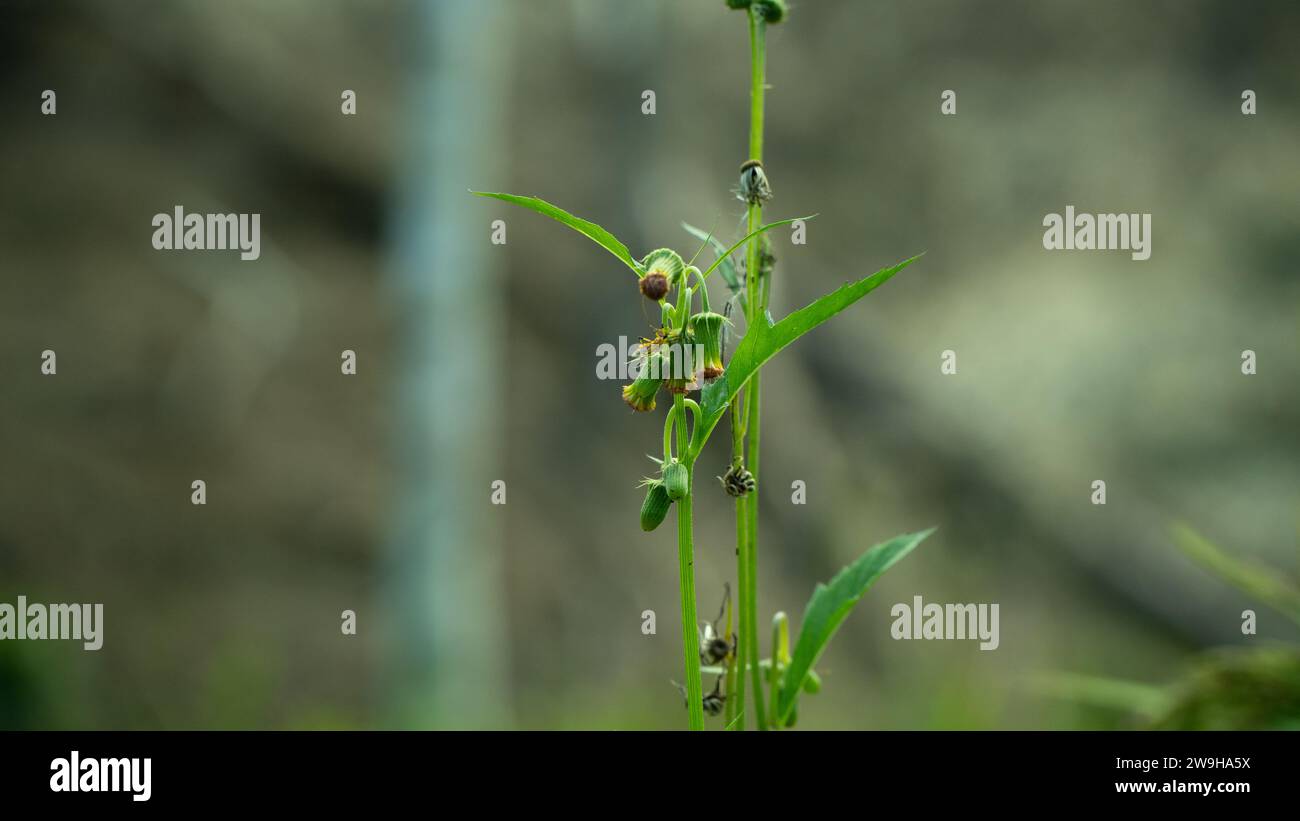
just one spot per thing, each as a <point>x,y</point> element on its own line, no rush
<point>733,672</point>
<point>686,573</point>
<point>757,73</point>
<point>742,660</point>
<point>750,551</point>
<point>774,668</point>
<point>757,311</point>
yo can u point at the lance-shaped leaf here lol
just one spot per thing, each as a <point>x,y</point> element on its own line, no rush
<point>829,605</point>
<point>1258,580</point>
<point>727,268</point>
<point>724,255</point>
<point>588,229</point>
<point>764,339</point>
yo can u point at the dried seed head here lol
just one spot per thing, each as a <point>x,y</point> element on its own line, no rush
<point>754,187</point>
<point>737,481</point>
<point>715,650</point>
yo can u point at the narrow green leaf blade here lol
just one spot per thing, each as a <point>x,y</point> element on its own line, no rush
<point>759,230</point>
<point>727,268</point>
<point>1109,693</point>
<point>1253,578</point>
<point>764,339</point>
<point>829,605</point>
<point>588,229</point>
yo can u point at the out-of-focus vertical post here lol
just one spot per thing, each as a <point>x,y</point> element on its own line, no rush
<point>444,587</point>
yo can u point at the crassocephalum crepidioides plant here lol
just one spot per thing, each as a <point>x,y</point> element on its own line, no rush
<point>686,356</point>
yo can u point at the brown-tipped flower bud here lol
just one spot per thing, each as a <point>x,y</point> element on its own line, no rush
<point>684,360</point>
<point>706,328</point>
<point>640,395</point>
<point>654,286</point>
<point>663,270</point>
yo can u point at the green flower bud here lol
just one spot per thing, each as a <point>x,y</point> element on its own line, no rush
<point>676,480</point>
<point>738,4</point>
<point>707,329</point>
<point>813,684</point>
<point>655,507</point>
<point>773,11</point>
<point>640,395</point>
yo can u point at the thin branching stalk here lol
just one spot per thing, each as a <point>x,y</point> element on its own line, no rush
<point>686,573</point>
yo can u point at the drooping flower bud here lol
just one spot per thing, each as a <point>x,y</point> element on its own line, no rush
<point>676,480</point>
<point>773,11</point>
<point>655,507</point>
<point>663,270</point>
<point>738,4</point>
<point>706,328</point>
<point>640,395</point>
<point>684,359</point>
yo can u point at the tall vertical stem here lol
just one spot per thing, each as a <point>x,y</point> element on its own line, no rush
<point>748,505</point>
<point>736,695</point>
<point>686,574</point>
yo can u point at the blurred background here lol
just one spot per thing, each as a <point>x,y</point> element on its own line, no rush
<point>477,362</point>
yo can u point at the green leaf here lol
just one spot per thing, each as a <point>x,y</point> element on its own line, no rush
<point>760,229</point>
<point>1258,580</point>
<point>727,268</point>
<point>764,339</point>
<point>1107,693</point>
<point>828,607</point>
<point>590,230</point>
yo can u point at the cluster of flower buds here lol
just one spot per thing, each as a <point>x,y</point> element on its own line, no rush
<point>687,349</point>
